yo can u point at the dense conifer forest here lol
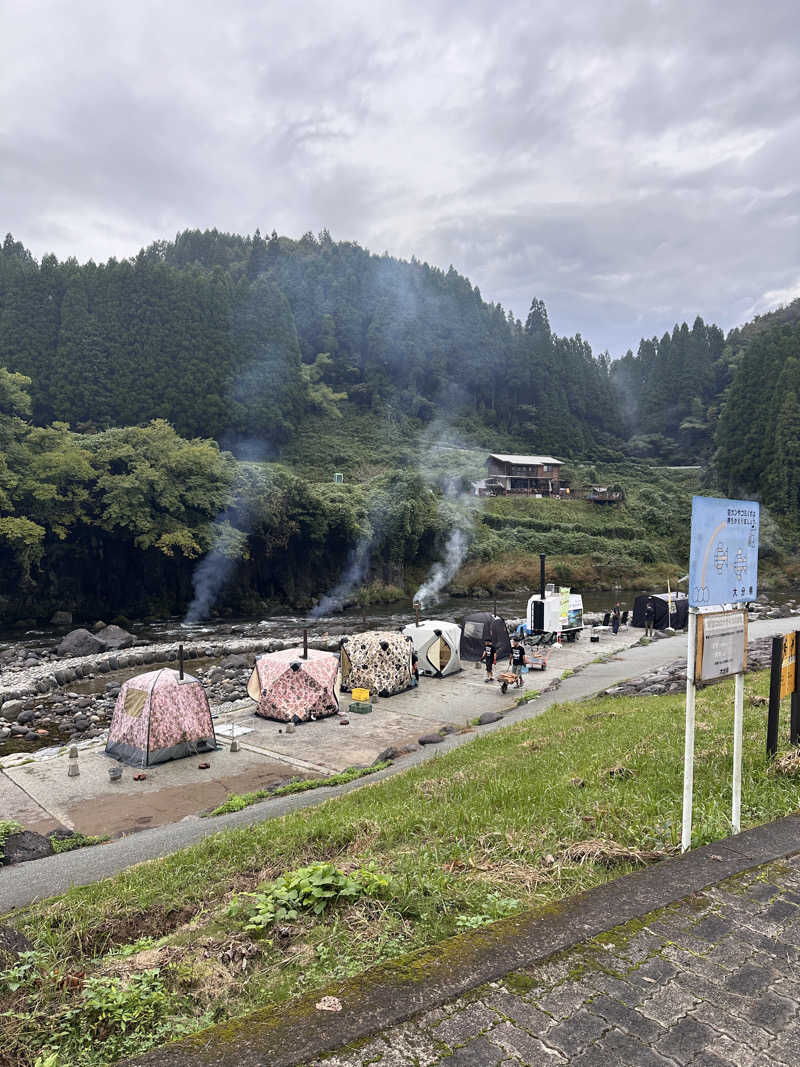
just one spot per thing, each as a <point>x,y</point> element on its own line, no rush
<point>201,394</point>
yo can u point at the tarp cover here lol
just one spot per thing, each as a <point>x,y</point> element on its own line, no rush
<point>480,627</point>
<point>678,616</point>
<point>436,643</point>
<point>157,717</point>
<point>379,661</point>
<point>286,686</point>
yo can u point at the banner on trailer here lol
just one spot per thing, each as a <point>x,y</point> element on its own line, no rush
<point>563,594</point>
<point>721,645</point>
<point>723,559</point>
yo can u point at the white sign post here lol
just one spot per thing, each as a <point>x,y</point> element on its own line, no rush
<point>723,569</point>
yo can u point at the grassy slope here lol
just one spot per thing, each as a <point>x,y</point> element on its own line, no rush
<point>640,543</point>
<point>466,837</point>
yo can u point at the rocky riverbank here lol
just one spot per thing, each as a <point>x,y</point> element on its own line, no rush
<point>672,677</point>
<point>38,707</point>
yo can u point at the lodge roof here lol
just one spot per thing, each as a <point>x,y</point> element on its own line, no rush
<point>524,460</point>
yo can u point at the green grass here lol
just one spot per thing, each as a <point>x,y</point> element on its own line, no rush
<point>77,840</point>
<point>238,801</point>
<point>7,828</point>
<point>459,837</point>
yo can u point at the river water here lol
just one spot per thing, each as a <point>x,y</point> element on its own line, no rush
<point>378,616</point>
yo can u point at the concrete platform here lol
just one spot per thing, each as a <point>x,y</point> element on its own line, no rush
<point>41,795</point>
<point>171,791</point>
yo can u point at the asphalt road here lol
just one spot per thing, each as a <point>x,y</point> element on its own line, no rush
<point>23,884</point>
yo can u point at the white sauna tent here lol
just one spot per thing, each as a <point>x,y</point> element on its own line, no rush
<point>436,643</point>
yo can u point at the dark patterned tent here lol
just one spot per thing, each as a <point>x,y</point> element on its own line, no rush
<point>379,661</point>
<point>480,627</point>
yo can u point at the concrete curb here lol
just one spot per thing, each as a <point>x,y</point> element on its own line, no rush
<point>294,1033</point>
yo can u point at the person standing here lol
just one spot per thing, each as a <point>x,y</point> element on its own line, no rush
<point>615,618</point>
<point>649,617</point>
<point>489,658</point>
<point>518,660</point>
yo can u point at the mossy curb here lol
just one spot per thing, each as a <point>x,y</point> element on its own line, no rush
<point>296,1032</point>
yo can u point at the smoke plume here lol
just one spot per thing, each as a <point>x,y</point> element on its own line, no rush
<point>455,552</point>
<point>353,575</point>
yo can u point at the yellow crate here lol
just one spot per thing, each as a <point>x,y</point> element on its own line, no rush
<point>360,694</point>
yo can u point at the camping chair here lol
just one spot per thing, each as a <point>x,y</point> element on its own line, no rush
<point>603,628</point>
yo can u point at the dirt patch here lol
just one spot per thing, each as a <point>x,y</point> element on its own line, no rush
<point>125,813</point>
<point>609,853</point>
<point>125,929</point>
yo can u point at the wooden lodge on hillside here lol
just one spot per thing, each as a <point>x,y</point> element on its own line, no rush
<point>528,475</point>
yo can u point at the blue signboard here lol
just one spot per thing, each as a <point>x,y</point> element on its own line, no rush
<point>723,559</point>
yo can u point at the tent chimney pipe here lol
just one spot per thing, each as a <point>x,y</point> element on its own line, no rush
<point>416,608</point>
<point>494,608</point>
<point>305,643</point>
<point>180,661</point>
<point>542,558</point>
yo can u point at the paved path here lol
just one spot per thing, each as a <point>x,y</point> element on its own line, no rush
<point>712,982</point>
<point>34,881</point>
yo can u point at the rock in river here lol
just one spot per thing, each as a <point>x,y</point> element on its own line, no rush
<point>79,643</point>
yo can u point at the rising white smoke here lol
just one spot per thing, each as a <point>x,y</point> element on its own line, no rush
<point>455,552</point>
<point>352,577</point>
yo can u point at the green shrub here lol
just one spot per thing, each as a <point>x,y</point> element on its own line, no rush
<point>312,889</point>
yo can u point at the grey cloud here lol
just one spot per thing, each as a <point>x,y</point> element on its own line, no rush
<point>632,163</point>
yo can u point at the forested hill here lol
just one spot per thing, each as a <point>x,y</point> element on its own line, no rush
<point>244,337</point>
<point>732,404</point>
<point>671,390</point>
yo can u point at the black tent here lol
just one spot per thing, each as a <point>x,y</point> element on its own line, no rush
<point>480,627</point>
<point>677,617</point>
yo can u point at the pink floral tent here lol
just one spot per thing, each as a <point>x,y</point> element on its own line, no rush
<point>286,686</point>
<point>160,716</point>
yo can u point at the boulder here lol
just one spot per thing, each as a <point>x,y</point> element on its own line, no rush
<point>11,708</point>
<point>236,661</point>
<point>24,846</point>
<point>26,716</point>
<point>12,943</point>
<point>431,739</point>
<point>113,638</point>
<point>79,643</point>
<point>488,717</point>
<point>98,626</point>
<point>61,618</point>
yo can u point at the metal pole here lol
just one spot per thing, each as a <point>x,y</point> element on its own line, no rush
<point>774,711</point>
<point>688,751</point>
<point>305,643</point>
<point>180,661</point>
<point>738,714</point>
<point>494,608</point>
<point>794,729</point>
<point>416,608</point>
<point>542,558</point>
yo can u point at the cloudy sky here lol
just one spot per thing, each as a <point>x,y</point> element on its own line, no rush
<point>631,163</point>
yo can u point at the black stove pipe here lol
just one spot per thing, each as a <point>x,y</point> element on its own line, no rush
<point>542,558</point>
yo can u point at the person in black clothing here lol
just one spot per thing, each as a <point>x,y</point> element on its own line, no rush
<point>518,660</point>
<point>415,667</point>
<point>615,618</point>
<point>489,657</point>
<point>649,617</point>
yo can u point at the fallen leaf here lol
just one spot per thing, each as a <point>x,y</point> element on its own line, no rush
<point>329,1004</point>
